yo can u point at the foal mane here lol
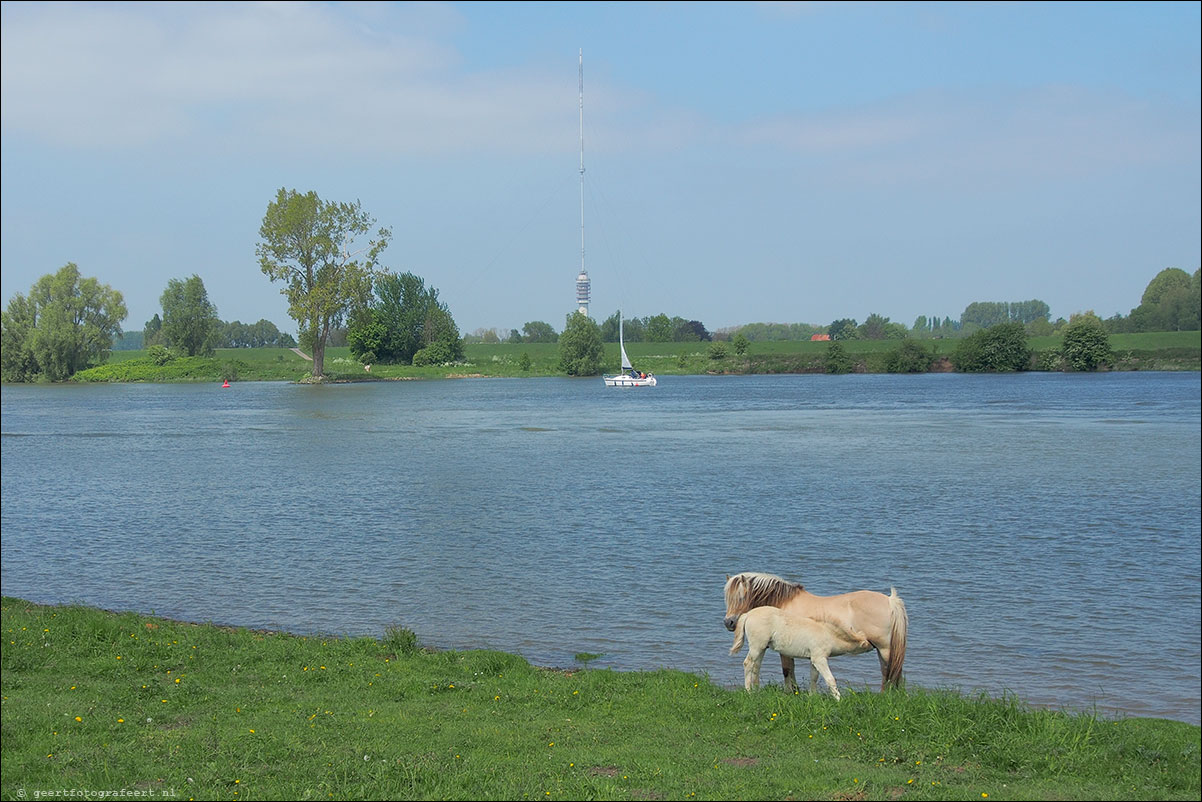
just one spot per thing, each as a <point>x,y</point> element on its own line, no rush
<point>765,590</point>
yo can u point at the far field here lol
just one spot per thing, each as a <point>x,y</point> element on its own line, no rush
<point>1150,351</point>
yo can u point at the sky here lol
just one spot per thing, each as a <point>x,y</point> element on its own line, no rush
<point>744,162</point>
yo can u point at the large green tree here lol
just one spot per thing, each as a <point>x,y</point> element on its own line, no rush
<point>313,247</point>
<point>190,321</point>
<point>657,329</point>
<point>1169,303</point>
<point>537,331</point>
<point>67,323</point>
<point>581,352</point>
<point>405,320</point>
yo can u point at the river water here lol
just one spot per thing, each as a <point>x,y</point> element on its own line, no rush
<point>1043,529</point>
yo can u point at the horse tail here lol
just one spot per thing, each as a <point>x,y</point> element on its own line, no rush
<point>899,622</point>
<point>738,635</point>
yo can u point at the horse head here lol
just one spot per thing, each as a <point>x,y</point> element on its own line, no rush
<point>749,590</point>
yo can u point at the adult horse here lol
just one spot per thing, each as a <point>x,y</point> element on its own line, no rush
<point>881,618</point>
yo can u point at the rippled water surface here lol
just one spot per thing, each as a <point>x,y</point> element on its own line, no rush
<point>1043,529</point>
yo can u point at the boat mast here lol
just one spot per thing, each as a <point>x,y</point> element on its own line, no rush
<point>583,285</point>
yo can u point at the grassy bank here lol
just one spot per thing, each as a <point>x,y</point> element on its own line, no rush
<point>1152,351</point>
<point>104,702</point>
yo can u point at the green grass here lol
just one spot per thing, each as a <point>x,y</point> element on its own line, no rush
<point>103,702</point>
<point>1151,351</point>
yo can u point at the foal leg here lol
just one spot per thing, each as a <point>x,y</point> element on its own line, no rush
<point>813,677</point>
<point>751,667</point>
<point>819,662</point>
<point>787,668</point>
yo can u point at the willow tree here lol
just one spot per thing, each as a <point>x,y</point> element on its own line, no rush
<point>310,245</point>
<point>67,323</point>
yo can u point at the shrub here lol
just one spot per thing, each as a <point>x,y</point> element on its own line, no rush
<point>401,640</point>
<point>436,353</point>
<point>999,349</point>
<point>909,357</point>
<point>1086,345</point>
<point>837,360</point>
<point>159,354</point>
<point>718,350</point>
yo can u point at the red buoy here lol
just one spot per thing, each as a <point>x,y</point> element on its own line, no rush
<point>227,383</point>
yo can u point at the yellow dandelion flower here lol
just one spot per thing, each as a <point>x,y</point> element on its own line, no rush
<point>77,718</point>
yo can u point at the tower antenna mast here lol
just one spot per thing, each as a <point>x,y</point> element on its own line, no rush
<point>583,285</point>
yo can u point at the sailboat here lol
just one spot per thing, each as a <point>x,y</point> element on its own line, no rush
<point>629,377</point>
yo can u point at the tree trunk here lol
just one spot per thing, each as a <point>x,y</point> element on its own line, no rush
<point>319,357</point>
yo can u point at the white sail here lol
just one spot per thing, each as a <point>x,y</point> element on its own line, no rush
<point>622,345</point>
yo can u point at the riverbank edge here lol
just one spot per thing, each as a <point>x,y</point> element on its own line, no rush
<point>95,698</point>
<point>541,361</point>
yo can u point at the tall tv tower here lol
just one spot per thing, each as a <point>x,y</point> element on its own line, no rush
<point>583,285</point>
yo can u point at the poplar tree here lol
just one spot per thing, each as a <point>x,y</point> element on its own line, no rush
<point>312,246</point>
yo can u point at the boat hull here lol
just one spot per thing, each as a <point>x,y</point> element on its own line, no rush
<point>629,381</point>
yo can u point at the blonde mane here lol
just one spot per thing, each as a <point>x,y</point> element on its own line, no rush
<point>751,589</point>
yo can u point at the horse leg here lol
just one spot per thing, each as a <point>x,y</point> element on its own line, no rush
<point>819,662</point>
<point>813,677</point>
<point>787,668</point>
<point>882,654</point>
<point>751,667</point>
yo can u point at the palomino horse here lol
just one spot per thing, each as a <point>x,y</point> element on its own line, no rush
<point>793,636</point>
<point>881,618</point>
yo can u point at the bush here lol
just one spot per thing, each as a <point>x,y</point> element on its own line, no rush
<point>436,353</point>
<point>909,357</point>
<point>401,640</point>
<point>1086,345</point>
<point>837,360</point>
<point>718,350</point>
<point>999,349</point>
<point>159,354</point>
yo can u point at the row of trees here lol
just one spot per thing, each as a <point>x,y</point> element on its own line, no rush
<point>232,334</point>
<point>1171,302</point>
<point>654,328</point>
<point>189,324</point>
<point>65,324</point>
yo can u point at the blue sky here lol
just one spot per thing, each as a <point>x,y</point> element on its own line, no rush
<point>783,162</point>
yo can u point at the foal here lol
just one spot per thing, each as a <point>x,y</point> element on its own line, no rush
<point>793,636</point>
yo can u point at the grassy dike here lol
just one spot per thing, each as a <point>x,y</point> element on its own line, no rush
<point>101,703</point>
<point>1179,350</point>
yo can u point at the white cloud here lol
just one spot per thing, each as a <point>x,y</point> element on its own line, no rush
<point>943,138</point>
